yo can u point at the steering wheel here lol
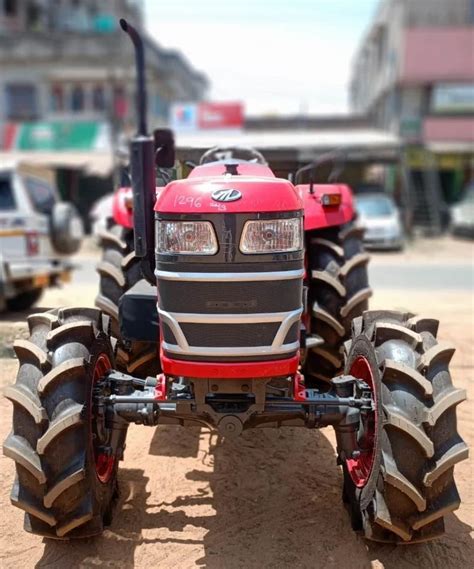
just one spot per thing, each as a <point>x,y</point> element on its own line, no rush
<point>223,153</point>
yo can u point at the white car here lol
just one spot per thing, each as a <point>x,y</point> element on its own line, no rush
<point>100,212</point>
<point>462,214</point>
<point>37,234</point>
<point>380,217</point>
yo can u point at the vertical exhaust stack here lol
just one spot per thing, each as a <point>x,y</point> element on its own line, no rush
<point>142,166</point>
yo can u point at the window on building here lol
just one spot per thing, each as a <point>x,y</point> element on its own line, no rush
<point>452,99</point>
<point>21,101</point>
<point>34,19</point>
<point>161,106</point>
<point>10,8</point>
<point>381,47</point>
<point>98,98</point>
<point>57,98</point>
<point>77,99</point>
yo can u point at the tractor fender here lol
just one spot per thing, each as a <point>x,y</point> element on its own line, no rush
<point>122,210</point>
<point>317,216</point>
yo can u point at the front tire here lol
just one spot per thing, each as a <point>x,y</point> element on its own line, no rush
<point>411,486</point>
<point>63,482</point>
<point>119,269</point>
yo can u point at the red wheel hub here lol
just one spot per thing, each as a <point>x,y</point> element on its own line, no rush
<point>104,464</point>
<point>360,468</point>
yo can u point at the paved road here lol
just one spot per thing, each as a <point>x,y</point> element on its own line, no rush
<point>422,277</point>
<point>383,274</point>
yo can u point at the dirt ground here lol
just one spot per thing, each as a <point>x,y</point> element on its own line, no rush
<point>270,499</point>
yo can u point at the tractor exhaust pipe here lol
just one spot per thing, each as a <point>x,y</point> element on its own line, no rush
<point>142,158</point>
<point>141,99</point>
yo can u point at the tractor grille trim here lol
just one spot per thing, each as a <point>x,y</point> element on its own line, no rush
<point>232,277</point>
<point>247,329</point>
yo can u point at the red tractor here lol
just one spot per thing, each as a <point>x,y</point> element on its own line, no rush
<point>252,292</point>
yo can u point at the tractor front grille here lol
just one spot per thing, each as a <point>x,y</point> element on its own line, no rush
<point>210,316</point>
<point>230,306</point>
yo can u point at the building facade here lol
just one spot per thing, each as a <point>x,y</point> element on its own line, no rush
<point>414,75</point>
<point>67,60</point>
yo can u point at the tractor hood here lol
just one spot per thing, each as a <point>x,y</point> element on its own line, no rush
<point>229,188</point>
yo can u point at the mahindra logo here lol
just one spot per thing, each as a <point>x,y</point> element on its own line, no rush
<point>226,195</point>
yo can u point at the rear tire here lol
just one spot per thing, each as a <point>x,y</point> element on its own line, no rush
<point>57,474</point>
<point>338,292</point>
<point>411,486</point>
<point>119,270</point>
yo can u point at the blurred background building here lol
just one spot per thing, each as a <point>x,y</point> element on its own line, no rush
<point>67,86</point>
<point>414,75</point>
<point>68,60</point>
<point>67,91</point>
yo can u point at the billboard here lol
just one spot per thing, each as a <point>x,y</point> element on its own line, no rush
<point>183,117</point>
<point>56,135</point>
<point>453,98</point>
<point>186,117</point>
<point>212,116</point>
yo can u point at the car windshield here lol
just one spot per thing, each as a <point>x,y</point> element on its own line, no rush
<point>7,201</point>
<point>377,206</point>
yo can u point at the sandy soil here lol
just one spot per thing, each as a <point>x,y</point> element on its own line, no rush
<point>270,499</point>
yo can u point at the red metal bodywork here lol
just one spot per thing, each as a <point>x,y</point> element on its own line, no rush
<point>204,370</point>
<point>260,190</point>
<point>317,216</point>
<point>121,210</point>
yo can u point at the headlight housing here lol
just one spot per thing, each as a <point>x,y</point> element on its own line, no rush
<point>272,236</point>
<point>185,238</point>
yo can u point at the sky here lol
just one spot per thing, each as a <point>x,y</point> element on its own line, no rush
<point>277,56</point>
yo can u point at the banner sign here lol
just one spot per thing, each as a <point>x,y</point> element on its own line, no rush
<point>213,116</point>
<point>184,117</point>
<point>56,135</point>
<point>207,116</point>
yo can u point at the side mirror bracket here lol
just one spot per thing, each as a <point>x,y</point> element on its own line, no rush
<point>165,150</point>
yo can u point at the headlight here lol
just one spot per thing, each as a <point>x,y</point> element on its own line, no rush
<point>272,236</point>
<point>185,238</point>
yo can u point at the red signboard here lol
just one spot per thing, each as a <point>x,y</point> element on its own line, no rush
<point>220,116</point>
<point>10,131</point>
<point>449,129</point>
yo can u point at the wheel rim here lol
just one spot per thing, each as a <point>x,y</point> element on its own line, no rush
<point>104,464</point>
<point>360,468</point>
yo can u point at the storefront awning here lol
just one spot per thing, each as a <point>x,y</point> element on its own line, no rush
<point>92,163</point>
<point>302,145</point>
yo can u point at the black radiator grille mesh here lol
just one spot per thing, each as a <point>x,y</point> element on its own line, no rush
<point>230,297</point>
